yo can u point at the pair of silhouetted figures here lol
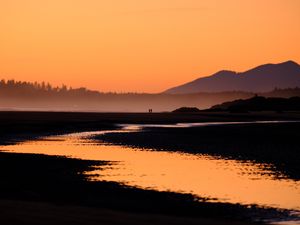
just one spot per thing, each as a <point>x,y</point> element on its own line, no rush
<point>150,111</point>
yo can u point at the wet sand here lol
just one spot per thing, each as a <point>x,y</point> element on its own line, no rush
<point>31,185</point>
<point>274,143</point>
<point>37,213</point>
<point>25,125</point>
<point>56,188</point>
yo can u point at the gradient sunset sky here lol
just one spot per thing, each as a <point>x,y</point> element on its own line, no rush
<point>142,45</point>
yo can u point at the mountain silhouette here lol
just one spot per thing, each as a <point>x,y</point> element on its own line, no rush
<point>263,78</point>
<point>259,103</point>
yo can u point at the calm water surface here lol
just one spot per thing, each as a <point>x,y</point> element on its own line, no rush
<point>220,179</point>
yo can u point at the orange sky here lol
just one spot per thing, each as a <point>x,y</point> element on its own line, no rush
<point>142,45</point>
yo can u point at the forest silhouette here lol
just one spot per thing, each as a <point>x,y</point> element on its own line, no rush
<point>20,95</point>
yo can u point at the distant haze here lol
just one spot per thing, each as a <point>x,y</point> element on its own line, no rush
<point>142,45</point>
<point>263,78</point>
<point>19,95</point>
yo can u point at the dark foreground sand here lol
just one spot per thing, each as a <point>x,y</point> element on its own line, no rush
<point>37,189</point>
<point>38,184</point>
<point>36,213</point>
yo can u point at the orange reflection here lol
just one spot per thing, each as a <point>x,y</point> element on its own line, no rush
<point>226,180</point>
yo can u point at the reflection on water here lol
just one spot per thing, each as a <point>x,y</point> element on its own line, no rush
<point>202,124</point>
<point>222,179</point>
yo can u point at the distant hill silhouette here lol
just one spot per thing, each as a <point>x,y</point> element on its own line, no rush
<point>263,78</point>
<point>259,103</point>
<point>187,110</point>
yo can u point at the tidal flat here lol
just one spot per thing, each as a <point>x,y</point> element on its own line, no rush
<point>59,183</point>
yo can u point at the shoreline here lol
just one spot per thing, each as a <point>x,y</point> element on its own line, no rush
<point>60,181</point>
<point>266,143</point>
<point>35,184</point>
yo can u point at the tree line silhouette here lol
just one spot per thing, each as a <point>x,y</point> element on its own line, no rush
<point>21,94</point>
<point>12,87</point>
